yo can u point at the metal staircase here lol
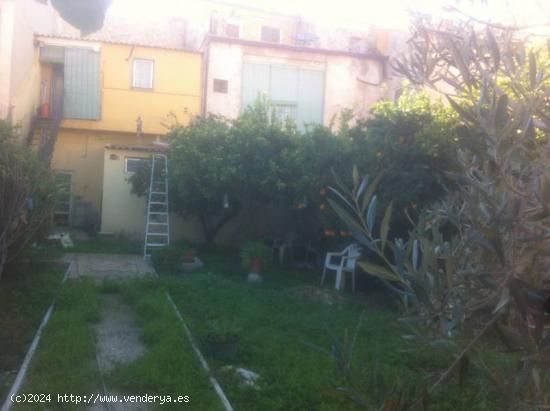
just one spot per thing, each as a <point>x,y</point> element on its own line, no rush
<point>157,229</point>
<point>42,136</point>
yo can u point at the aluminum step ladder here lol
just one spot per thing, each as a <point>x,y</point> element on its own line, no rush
<point>157,229</point>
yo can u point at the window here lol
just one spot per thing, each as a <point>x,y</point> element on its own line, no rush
<point>133,164</point>
<point>284,110</point>
<point>232,30</point>
<point>143,73</point>
<point>271,34</point>
<point>220,86</point>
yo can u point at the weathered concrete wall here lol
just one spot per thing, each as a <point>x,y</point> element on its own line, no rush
<point>7,13</point>
<point>350,82</point>
<point>20,20</point>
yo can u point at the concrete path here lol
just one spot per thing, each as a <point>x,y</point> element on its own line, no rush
<point>112,266</point>
<point>117,338</point>
<point>118,342</point>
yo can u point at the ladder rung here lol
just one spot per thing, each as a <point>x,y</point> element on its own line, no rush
<point>152,222</point>
<point>159,193</point>
<point>157,234</point>
<point>158,212</point>
<point>158,202</point>
<point>155,245</point>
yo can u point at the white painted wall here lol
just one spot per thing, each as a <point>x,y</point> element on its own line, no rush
<point>350,82</point>
<point>124,212</point>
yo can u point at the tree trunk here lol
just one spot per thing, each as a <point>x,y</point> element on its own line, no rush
<point>210,230</point>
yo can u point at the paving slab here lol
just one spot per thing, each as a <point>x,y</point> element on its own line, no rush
<point>108,266</point>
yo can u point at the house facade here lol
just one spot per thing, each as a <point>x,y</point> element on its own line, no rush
<point>105,101</point>
<point>308,73</point>
<point>112,101</point>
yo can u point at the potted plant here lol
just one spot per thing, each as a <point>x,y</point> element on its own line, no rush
<point>255,255</point>
<point>189,255</point>
<point>222,340</point>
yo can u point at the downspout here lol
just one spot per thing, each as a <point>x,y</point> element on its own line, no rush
<point>206,55</point>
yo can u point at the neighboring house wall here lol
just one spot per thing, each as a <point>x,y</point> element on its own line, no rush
<point>19,70</point>
<point>320,85</point>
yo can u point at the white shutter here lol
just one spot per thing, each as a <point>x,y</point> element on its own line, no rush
<point>143,73</point>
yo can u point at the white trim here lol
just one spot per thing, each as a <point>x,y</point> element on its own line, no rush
<point>49,41</point>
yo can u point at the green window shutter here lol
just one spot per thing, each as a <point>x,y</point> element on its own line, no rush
<point>255,81</point>
<point>295,93</point>
<point>311,96</point>
<point>82,97</point>
<point>284,84</point>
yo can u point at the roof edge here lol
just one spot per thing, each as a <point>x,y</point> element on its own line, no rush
<point>120,43</point>
<point>300,49</point>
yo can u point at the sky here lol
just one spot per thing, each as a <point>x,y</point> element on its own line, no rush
<point>392,14</point>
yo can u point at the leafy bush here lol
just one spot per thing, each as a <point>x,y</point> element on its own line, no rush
<point>220,168</point>
<point>167,259</point>
<point>413,145</point>
<point>27,196</point>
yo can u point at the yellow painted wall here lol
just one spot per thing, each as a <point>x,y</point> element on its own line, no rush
<point>251,22</point>
<point>81,153</point>
<point>176,89</point>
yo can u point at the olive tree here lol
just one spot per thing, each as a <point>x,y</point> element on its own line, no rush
<point>27,196</point>
<point>488,274</point>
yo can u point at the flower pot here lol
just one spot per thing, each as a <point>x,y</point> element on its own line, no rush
<point>223,347</point>
<point>255,265</point>
<point>189,256</point>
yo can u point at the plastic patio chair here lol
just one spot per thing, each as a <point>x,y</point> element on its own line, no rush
<point>342,262</point>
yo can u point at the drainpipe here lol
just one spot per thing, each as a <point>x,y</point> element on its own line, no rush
<point>206,55</point>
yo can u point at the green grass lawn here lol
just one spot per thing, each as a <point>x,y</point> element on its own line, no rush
<point>107,244</point>
<point>65,361</point>
<point>284,335</point>
<point>170,366</point>
<point>26,291</point>
<point>278,330</point>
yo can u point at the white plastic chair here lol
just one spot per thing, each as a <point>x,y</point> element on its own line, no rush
<point>342,262</point>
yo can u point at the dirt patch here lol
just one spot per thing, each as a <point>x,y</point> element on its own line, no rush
<point>308,292</point>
